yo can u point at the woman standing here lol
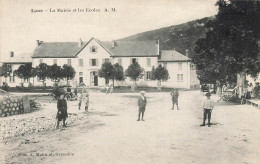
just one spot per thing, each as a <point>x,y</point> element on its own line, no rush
<point>62,113</point>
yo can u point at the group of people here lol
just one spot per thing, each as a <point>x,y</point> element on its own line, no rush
<point>62,114</point>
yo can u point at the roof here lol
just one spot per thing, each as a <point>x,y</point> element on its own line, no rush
<point>121,48</point>
<point>132,48</point>
<point>57,50</point>
<point>172,56</point>
<point>18,59</point>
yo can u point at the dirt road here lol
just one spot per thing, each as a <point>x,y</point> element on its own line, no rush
<point>110,134</point>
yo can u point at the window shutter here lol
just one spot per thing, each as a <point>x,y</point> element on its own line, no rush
<point>103,60</point>
<point>145,75</point>
<point>137,60</point>
<point>130,61</point>
<point>90,63</point>
<point>97,62</point>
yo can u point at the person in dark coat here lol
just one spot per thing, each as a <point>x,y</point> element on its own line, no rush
<point>62,111</point>
<point>175,97</point>
<point>141,104</point>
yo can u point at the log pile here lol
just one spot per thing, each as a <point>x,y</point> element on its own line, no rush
<point>11,106</point>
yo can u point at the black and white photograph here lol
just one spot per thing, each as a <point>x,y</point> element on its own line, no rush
<point>130,81</point>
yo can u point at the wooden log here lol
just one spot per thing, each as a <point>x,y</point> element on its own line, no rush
<point>16,112</point>
<point>1,111</point>
<point>11,104</point>
<point>15,104</point>
<point>13,109</point>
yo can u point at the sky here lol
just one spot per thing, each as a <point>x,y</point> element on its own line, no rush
<point>20,27</point>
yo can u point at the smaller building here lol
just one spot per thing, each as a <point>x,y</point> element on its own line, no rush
<point>13,63</point>
<point>181,71</point>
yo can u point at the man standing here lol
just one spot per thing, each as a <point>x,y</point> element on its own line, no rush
<point>141,104</point>
<point>208,106</point>
<point>175,96</point>
<point>62,113</point>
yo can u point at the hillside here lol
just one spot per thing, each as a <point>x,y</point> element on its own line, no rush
<point>180,37</point>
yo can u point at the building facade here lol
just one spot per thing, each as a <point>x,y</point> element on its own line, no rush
<point>87,57</point>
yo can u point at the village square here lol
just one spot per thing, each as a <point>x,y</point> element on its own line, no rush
<point>187,93</point>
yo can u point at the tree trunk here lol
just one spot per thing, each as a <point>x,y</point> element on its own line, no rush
<point>159,82</point>
<point>219,88</point>
<point>113,82</point>
<point>214,89</point>
<point>241,79</point>
<point>133,86</point>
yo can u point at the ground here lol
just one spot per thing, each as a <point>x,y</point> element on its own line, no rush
<point>109,132</point>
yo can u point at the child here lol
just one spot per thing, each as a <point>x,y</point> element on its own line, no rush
<point>175,96</point>
<point>208,106</point>
<point>141,104</point>
<point>62,111</point>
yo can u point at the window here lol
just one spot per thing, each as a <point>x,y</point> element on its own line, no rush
<point>148,75</point>
<point>179,77</point>
<point>133,60</point>
<point>105,60</point>
<point>165,65</point>
<point>119,61</point>
<point>93,49</point>
<point>54,61</point>
<point>80,73</point>
<point>26,80</point>
<point>69,62</point>
<point>81,62</point>
<point>41,61</point>
<point>93,62</point>
<point>180,66</point>
<point>12,78</point>
<point>148,60</point>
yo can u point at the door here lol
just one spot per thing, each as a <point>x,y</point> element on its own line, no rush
<point>80,79</point>
<point>95,80</point>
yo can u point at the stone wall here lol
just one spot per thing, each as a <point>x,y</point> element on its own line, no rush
<point>11,106</point>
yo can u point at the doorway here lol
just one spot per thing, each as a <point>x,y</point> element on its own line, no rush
<point>95,80</point>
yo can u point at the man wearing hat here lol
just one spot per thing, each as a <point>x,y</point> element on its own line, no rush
<point>141,104</point>
<point>208,106</point>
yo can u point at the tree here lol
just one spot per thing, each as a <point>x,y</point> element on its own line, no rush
<point>106,71</point>
<point>230,47</point>
<point>118,73</point>
<point>134,72</point>
<point>55,73</point>
<point>33,73</point>
<point>161,74</point>
<point>42,72</point>
<point>5,70</point>
<point>24,71</point>
<point>68,72</point>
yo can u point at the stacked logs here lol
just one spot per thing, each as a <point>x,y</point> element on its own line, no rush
<point>11,106</point>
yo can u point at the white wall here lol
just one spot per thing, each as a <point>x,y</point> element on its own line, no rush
<point>173,69</point>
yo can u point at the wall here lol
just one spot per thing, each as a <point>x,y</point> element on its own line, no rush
<point>173,69</point>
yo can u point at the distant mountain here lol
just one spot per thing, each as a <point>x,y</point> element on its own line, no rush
<point>180,37</point>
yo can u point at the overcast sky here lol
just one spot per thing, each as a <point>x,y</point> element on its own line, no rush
<point>20,27</point>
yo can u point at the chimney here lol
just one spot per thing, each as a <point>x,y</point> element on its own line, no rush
<point>80,42</point>
<point>187,53</point>
<point>157,46</point>
<point>113,44</point>
<point>11,54</point>
<point>38,42</point>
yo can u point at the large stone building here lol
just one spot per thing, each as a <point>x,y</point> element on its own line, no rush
<point>87,57</point>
